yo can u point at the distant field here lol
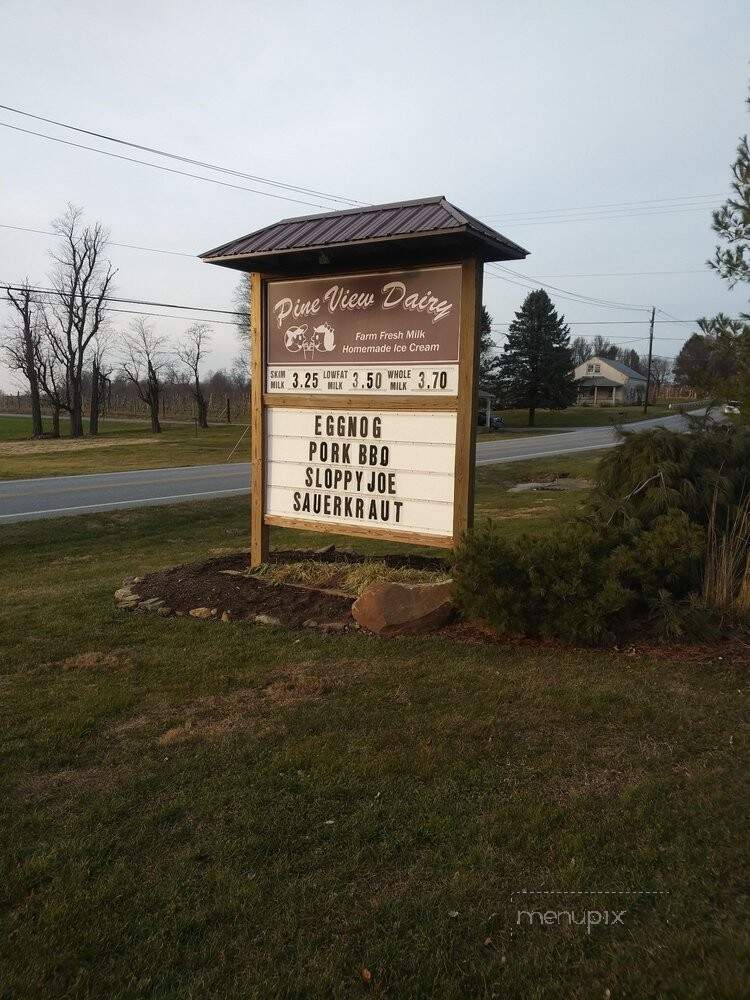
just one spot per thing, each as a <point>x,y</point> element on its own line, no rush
<point>585,416</point>
<point>119,447</point>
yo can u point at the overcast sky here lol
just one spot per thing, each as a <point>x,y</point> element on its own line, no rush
<point>517,112</point>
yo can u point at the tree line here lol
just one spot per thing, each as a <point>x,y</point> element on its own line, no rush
<point>59,341</point>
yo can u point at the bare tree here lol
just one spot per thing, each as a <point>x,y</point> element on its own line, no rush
<point>661,369</point>
<point>580,349</point>
<point>100,378</point>
<point>601,347</point>
<point>191,355</point>
<point>19,346</point>
<point>146,365</point>
<point>81,279</point>
<point>52,380</point>
<point>241,306</point>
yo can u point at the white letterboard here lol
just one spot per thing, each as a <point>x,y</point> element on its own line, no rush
<point>390,470</point>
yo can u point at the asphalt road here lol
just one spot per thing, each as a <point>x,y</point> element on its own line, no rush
<point>56,496</point>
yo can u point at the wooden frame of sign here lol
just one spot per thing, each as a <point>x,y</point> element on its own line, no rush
<point>282,406</point>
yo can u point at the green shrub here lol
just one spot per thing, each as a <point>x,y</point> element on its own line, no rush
<point>638,555</point>
<point>656,471</point>
<point>582,582</point>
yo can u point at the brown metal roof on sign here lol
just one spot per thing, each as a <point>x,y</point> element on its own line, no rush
<point>371,234</point>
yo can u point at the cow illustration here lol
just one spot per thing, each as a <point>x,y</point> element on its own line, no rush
<point>321,340</point>
<point>294,338</point>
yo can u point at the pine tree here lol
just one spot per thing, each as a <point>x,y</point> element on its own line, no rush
<point>488,360</point>
<point>536,367</point>
<point>732,223</point>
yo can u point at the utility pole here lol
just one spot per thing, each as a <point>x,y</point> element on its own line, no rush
<point>650,354</point>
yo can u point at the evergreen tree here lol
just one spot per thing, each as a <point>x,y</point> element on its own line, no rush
<point>691,364</point>
<point>536,367</point>
<point>488,360</point>
<point>732,223</point>
<point>730,352</point>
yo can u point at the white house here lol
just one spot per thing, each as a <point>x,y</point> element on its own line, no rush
<point>602,382</point>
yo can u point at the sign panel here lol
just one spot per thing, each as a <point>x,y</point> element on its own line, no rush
<point>391,332</point>
<point>389,470</point>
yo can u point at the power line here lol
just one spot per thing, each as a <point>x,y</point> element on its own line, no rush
<point>606,322</point>
<point>603,218</point>
<point>184,159</point>
<point>127,246</point>
<point>668,315</point>
<point>654,202</point>
<point>159,166</point>
<point>623,274</point>
<point>140,312</point>
<point>568,292</point>
<point>531,282</point>
<point>133,302</point>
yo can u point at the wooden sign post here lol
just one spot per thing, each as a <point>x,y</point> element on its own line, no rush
<point>364,375</point>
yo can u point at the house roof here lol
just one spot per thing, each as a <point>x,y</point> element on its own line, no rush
<point>625,370</point>
<point>598,380</point>
<point>371,232</point>
<point>618,366</point>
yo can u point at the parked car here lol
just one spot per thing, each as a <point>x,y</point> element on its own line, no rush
<point>496,423</point>
<point>731,407</point>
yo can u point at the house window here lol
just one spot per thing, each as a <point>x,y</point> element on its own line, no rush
<point>597,368</point>
<point>589,369</point>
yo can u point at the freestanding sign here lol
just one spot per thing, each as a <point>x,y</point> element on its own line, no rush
<point>364,378</point>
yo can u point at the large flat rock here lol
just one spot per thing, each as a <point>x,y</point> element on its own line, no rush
<point>402,608</point>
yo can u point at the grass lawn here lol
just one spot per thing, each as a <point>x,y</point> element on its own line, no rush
<point>206,810</point>
<point>585,416</point>
<point>119,447</point>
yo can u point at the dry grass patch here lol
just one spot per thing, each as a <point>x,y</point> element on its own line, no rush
<point>73,781</point>
<point>522,513</point>
<point>598,782</point>
<point>215,717</point>
<point>350,578</point>
<point>116,659</point>
<point>49,445</point>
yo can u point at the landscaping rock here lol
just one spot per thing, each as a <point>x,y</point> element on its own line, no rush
<point>325,550</point>
<point>164,611</point>
<point>202,612</point>
<point>310,623</point>
<point>226,616</point>
<point>129,602</point>
<point>333,626</point>
<point>233,572</point>
<point>265,620</point>
<point>151,604</point>
<point>123,593</point>
<point>400,608</point>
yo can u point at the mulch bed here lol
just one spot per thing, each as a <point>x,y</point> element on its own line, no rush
<point>203,584</point>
